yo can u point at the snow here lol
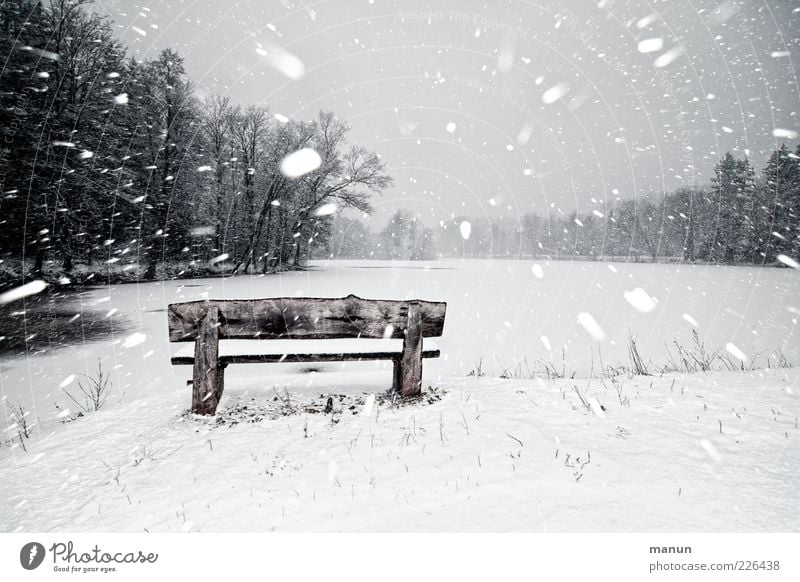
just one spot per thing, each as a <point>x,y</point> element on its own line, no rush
<point>301,162</point>
<point>788,261</point>
<point>647,20</point>
<point>218,259</point>
<point>591,326</point>
<point>25,290</point>
<point>491,455</point>
<point>555,93</point>
<point>733,350</point>
<point>668,57</point>
<point>671,452</point>
<point>640,300</point>
<point>207,230</point>
<point>67,381</point>
<point>134,340</point>
<point>525,134</point>
<point>505,60</point>
<point>326,209</point>
<point>787,133</point>
<point>691,320</point>
<point>650,45</point>
<point>284,62</point>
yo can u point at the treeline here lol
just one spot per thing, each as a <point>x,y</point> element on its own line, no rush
<point>736,219</point>
<point>110,160</point>
<point>405,237</point>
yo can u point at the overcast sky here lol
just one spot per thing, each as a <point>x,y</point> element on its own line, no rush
<point>500,108</point>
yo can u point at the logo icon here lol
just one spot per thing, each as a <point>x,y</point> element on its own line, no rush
<point>31,555</point>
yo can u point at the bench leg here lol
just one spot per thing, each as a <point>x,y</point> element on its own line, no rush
<point>397,375</point>
<point>207,376</point>
<point>410,368</point>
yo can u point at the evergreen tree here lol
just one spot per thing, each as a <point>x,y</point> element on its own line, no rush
<point>781,202</point>
<point>733,197</point>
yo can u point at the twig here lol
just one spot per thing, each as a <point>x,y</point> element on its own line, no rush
<point>515,438</point>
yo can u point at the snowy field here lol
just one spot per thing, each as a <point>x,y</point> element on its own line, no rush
<point>712,451</point>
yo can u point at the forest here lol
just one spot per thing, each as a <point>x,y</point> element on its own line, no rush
<point>115,162</point>
<point>736,219</point>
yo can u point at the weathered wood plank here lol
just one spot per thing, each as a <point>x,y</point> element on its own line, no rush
<point>207,382</point>
<point>305,318</point>
<point>411,362</point>
<point>302,358</point>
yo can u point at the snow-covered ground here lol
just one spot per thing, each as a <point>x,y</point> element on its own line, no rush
<point>701,452</point>
<point>707,452</point>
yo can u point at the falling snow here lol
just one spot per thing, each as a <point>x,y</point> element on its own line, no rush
<point>326,209</point>
<point>788,261</point>
<point>668,57</point>
<point>555,93</point>
<point>301,162</point>
<point>284,62</point>
<point>22,291</point>
<point>640,300</point>
<point>135,339</point>
<point>787,133</point>
<point>219,258</point>
<point>736,352</point>
<point>650,45</point>
<point>591,326</point>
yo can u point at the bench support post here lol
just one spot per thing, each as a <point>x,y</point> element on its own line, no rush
<point>207,377</point>
<point>409,369</point>
<point>397,375</point>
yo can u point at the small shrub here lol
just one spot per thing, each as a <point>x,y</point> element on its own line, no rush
<point>95,391</point>
<point>695,358</point>
<point>19,422</point>
<point>780,359</point>
<point>637,363</point>
<point>550,370</point>
<point>477,371</point>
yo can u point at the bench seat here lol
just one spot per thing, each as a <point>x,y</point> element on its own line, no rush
<point>293,351</point>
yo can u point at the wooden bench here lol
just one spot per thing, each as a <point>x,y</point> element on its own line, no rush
<point>283,318</point>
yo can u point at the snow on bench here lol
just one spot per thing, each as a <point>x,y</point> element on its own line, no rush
<point>363,329</point>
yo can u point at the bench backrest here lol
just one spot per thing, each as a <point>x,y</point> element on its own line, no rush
<point>305,318</point>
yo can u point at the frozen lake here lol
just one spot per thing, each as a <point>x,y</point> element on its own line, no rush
<point>508,314</point>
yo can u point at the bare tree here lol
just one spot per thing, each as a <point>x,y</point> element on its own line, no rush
<point>216,131</point>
